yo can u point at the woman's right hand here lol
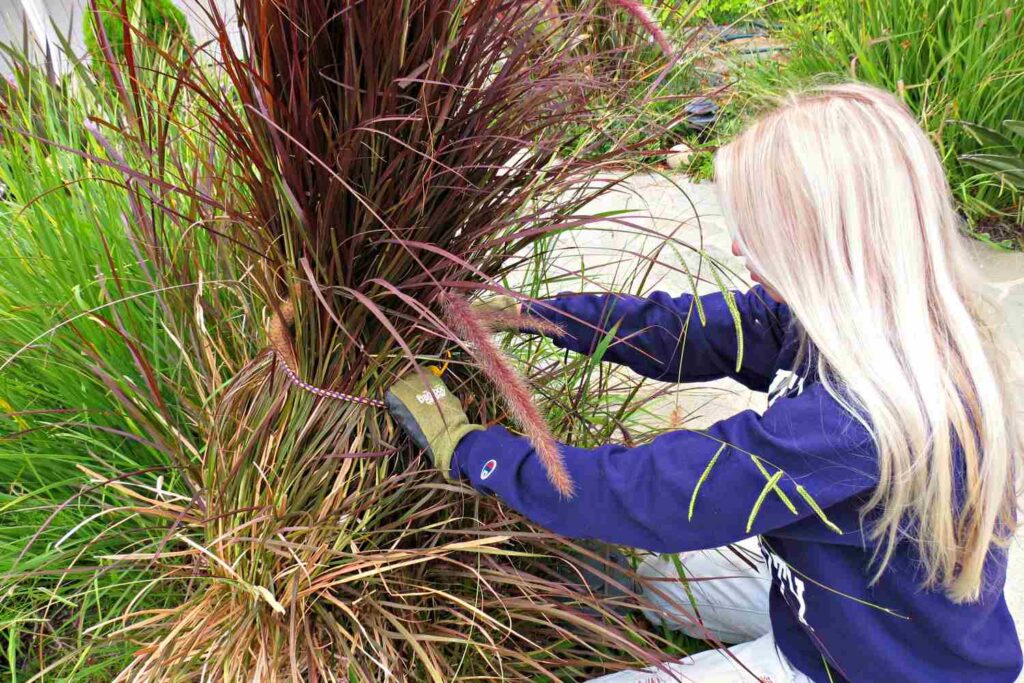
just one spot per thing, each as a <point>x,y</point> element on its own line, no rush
<point>499,303</point>
<point>507,313</point>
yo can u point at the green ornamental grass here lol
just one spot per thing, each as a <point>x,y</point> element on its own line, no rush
<point>951,61</point>
<point>160,20</point>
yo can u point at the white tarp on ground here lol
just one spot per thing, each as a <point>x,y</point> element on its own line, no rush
<point>40,22</point>
<point>36,24</point>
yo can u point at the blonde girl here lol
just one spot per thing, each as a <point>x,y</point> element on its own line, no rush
<point>892,434</point>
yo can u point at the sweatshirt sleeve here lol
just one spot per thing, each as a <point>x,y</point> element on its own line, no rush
<point>647,497</point>
<point>664,338</point>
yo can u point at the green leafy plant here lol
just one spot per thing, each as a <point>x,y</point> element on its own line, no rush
<point>949,60</point>
<point>1000,155</point>
<point>729,11</point>
<point>160,20</point>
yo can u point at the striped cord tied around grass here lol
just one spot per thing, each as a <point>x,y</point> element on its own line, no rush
<point>281,348</point>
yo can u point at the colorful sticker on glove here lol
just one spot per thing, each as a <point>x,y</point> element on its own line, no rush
<point>488,468</point>
<point>437,392</point>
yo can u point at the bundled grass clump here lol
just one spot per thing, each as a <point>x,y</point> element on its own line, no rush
<point>218,270</point>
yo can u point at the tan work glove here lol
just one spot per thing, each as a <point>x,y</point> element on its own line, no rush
<point>499,303</point>
<point>431,416</point>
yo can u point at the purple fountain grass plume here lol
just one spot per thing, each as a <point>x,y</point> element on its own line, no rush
<point>639,12</point>
<point>511,387</point>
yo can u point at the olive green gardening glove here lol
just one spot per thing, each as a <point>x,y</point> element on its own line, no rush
<point>431,416</point>
<point>499,303</point>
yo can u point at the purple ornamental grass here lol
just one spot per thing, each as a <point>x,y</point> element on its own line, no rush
<point>352,161</point>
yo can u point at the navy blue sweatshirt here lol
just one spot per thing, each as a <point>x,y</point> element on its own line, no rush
<point>825,617</point>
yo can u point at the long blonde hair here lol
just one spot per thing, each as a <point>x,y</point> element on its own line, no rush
<point>840,201</point>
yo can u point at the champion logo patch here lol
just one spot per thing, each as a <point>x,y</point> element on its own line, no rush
<point>488,468</point>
